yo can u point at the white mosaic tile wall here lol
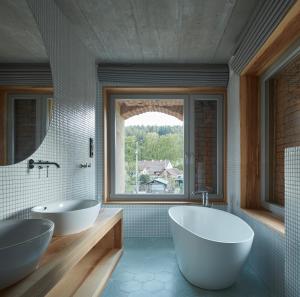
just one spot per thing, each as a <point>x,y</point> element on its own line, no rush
<point>145,220</point>
<point>268,253</point>
<point>72,125</point>
<point>292,222</point>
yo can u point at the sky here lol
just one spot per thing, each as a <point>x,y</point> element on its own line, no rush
<point>153,119</point>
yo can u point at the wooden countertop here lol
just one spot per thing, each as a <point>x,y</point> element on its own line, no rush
<point>65,252</point>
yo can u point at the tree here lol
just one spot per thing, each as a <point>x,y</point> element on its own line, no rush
<point>130,177</point>
<point>149,146</point>
<point>130,144</point>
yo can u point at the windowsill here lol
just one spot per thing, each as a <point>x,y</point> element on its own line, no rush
<point>171,202</point>
<point>267,218</point>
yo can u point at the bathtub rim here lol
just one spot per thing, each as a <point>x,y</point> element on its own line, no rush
<point>206,238</point>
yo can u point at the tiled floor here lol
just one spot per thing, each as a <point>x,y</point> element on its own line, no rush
<point>148,268</point>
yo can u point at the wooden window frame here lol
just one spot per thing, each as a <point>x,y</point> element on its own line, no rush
<point>265,78</point>
<point>107,91</point>
<point>283,37</point>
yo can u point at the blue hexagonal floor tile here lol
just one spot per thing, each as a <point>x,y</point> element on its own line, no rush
<point>153,286</point>
<point>130,286</point>
<point>144,277</point>
<point>148,268</point>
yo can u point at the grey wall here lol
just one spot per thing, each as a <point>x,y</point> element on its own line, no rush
<point>264,20</point>
<point>159,31</point>
<point>25,74</point>
<point>74,78</point>
<point>201,75</point>
<point>21,41</point>
<point>268,253</point>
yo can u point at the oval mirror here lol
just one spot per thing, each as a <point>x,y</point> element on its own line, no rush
<point>26,90</point>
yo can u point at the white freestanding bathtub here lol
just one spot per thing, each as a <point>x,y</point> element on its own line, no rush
<point>211,245</point>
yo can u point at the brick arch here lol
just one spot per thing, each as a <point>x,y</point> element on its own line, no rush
<point>172,110</point>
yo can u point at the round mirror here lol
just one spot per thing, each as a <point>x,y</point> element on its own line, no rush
<point>26,90</point>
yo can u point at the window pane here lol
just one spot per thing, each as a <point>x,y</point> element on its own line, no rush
<point>206,146</point>
<point>149,146</point>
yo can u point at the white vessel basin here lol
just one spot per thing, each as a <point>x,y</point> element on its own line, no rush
<point>70,216</point>
<point>22,243</point>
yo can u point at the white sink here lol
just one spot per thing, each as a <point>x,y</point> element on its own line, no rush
<point>70,216</point>
<point>22,243</point>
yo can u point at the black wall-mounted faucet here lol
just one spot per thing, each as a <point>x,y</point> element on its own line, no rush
<point>32,163</point>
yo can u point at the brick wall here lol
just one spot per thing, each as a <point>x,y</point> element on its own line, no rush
<point>285,110</point>
<point>173,107</point>
<point>206,145</point>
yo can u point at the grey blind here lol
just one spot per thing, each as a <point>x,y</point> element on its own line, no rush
<point>265,19</point>
<point>202,75</point>
<point>25,74</point>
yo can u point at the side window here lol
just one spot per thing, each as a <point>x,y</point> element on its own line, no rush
<point>281,127</point>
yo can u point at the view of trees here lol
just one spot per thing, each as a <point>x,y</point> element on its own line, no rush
<point>154,143</point>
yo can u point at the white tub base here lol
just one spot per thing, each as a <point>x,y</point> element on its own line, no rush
<point>211,245</point>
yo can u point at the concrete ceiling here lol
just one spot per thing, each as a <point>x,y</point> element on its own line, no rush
<point>159,31</point>
<point>20,39</point>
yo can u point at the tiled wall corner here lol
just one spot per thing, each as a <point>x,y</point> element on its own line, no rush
<point>267,256</point>
<point>72,125</point>
<point>145,220</point>
<point>292,221</point>
<point>233,139</point>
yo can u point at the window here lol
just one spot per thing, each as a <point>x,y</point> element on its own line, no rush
<point>206,145</point>
<point>280,125</point>
<point>253,137</point>
<point>165,147</point>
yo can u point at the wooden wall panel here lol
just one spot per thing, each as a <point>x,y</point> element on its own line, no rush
<point>250,141</point>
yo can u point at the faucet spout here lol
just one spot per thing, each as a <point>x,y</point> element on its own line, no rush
<point>32,163</point>
<point>204,196</point>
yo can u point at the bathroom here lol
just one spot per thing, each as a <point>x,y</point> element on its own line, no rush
<point>149,148</point>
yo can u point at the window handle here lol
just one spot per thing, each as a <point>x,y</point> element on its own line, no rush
<point>186,158</point>
<point>192,158</point>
